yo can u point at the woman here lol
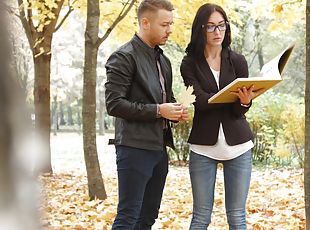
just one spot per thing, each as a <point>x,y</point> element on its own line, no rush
<point>220,132</point>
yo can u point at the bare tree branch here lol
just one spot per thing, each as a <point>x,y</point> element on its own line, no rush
<point>66,16</point>
<point>292,2</point>
<point>251,62</point>
<point>121,15</point>
<point>27,24</point>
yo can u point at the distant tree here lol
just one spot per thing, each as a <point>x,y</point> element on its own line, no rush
<point>39,19</point>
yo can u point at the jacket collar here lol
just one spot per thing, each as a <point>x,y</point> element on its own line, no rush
<point>225,71</point>
<point>155,52</point>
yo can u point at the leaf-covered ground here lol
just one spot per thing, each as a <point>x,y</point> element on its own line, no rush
<point>276,197</point>
<point>275,202</point>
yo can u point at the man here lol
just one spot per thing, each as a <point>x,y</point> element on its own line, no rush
<point>139,94</point>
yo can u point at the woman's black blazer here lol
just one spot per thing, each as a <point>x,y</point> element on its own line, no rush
<point>207,117</point>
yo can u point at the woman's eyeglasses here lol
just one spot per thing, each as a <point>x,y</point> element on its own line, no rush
<point>212,28</point>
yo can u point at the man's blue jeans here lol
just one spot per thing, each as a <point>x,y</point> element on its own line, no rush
<point>141,179</point>
<point>237,176</point>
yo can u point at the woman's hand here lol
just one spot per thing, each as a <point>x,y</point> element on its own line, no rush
<point>246,95</point>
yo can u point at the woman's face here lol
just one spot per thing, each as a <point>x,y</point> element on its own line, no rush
<point>215,29</point>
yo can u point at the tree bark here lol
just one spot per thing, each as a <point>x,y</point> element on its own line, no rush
<point>307,120</point>
<point>40,44</point>
<point>101,114</point>
<point>54,115</point>
<point>17,210</point>
<point>92,43</point>
<point>260,56</point>
<point>96,187</point>
<point>42,65</point>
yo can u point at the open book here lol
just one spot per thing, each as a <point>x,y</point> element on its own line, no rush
<point>269,75</point>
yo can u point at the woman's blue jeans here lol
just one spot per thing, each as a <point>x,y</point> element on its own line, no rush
<point>237,176</point>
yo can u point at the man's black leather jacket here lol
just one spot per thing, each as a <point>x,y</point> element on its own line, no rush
<point>133,92</point>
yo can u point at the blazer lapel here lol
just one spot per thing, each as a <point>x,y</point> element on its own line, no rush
<point>207,75</point>
<point>227,74</point>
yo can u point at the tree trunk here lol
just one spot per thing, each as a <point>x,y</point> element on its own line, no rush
<point>101,114</point>
<point>18,191</point>
<point>92,43</point>
<point>259,51</point>
<point>62,115</point>
<point>54,115</point>
<point>20,66</point>
<point>40,41</point>
<point>96,187</point>
<point>70,119</point>
<point>307,120</point>
<point>42,64</point>
<point>79,120</point>
<point>260,56</point>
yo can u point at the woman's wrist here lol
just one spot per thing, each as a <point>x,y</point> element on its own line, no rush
<point>246,105</point>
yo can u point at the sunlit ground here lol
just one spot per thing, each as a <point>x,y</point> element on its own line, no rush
<point>276,198</point>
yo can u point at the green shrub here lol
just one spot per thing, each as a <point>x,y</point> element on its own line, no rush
<point>277,121</point>
<point>181,132</point>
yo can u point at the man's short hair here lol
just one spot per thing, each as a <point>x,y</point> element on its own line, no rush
<point>153,6</point>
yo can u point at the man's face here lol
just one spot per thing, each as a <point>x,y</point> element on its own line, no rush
<point>160,27</point>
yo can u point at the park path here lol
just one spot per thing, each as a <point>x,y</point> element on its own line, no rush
<point>67,153</point>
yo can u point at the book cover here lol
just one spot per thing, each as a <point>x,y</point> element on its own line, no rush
<point>269,76</point>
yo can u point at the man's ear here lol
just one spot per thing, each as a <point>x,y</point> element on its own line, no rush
<point>145,23</point>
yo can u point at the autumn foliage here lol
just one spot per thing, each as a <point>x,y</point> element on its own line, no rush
<point>275,202</point>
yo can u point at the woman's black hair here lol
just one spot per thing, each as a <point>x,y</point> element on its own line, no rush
<point>195,48</point>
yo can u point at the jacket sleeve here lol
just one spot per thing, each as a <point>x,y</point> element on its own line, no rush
<point>188,73</point>
<point>241,71</point>
<point>120,69</point>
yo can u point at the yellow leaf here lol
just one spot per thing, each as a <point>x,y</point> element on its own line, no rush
<point>186,96</point>
<point>278,9</point>
<point>40,28</point>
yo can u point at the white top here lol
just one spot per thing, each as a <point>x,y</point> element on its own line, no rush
<point>221,150</point>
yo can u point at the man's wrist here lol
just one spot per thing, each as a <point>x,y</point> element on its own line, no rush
<point>158,114</point>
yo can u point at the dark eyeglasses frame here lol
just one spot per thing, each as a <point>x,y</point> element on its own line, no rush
<point>216,27</point>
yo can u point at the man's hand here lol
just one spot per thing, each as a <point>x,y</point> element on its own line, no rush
<point>185,115</point>
<point>171,111</point>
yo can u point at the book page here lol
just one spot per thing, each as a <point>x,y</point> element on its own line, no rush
<point>274,68</point>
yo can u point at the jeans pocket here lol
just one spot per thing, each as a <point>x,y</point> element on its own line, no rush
<point>121,154</point>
